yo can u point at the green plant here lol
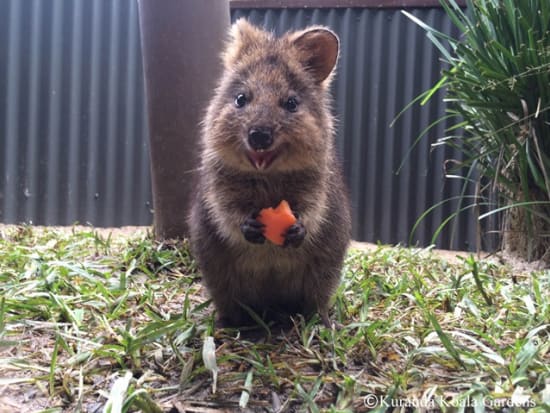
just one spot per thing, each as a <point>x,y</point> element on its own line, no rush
<point>498,90</point>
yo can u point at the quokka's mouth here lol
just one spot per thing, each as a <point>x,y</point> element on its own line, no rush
<point>262,159</point>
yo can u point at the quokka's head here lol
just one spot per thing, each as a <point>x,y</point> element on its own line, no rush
<point>271,110</point>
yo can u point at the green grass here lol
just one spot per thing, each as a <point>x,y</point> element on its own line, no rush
<point>94,323</point>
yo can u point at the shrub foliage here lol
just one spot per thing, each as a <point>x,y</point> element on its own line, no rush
<point>498,89</point>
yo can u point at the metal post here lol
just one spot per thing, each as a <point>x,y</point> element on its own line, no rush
<point>181,44</point>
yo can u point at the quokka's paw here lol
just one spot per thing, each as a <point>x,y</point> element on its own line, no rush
<point>295,235</point>
<point>252,230</point>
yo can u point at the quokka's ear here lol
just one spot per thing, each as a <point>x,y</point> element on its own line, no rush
<point>318,51</point>
<point>243,38</point>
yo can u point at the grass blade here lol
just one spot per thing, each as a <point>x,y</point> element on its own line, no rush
<point>117,395</point>
<point>245,395</point>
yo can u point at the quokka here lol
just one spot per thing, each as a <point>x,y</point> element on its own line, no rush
<point>268,136</point>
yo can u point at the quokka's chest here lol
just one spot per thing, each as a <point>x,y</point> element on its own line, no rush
<point>269,259</point>
<point>241,190</point>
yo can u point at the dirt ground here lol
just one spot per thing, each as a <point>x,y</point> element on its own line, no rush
<point>118,232</point>
<point>500,257</point>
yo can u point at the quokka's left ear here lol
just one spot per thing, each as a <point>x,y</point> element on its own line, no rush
<point>318,51</point>
<point>243,38</point>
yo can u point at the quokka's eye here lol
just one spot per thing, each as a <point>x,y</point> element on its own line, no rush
<point>291,104</point>
<point>241,100</point>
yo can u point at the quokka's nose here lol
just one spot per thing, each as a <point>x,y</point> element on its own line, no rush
<point>260,138</point>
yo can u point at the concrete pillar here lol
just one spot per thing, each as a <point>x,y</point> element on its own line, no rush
<point>181,44</point>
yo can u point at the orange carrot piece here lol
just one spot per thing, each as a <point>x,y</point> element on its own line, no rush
<point>277,221</point>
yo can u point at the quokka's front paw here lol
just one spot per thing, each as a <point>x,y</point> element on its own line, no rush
<point>252,230</point>
<point>295,235</point>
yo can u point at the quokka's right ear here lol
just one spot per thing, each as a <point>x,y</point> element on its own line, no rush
<point>243,39</point>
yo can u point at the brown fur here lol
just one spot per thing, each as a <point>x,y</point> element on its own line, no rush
<point>266,277</point>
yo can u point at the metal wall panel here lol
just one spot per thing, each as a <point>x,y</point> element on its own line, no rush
<point>72,116</point>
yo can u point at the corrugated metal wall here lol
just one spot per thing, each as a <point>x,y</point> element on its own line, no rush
<point>72,116</point>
